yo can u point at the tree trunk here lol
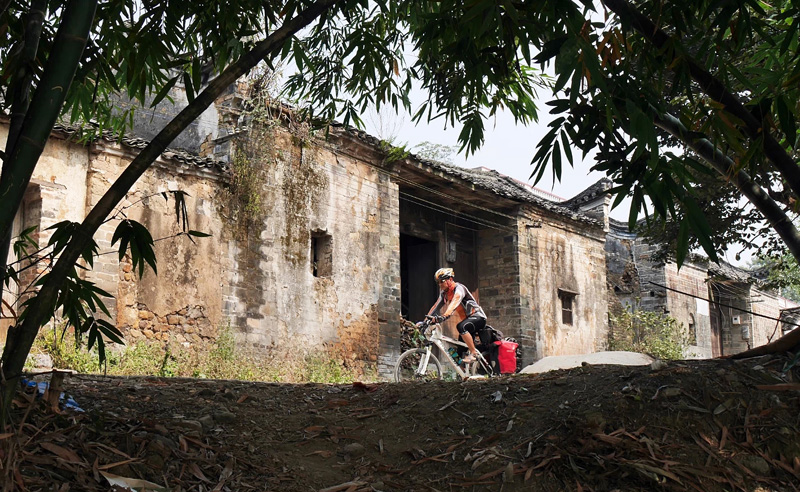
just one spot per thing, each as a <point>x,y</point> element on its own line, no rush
<point>20,100</point>
<point>37,124</point>
<point>45,107</point>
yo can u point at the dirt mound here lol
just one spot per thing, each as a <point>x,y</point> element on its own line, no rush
<point>618,358</point>
<point>691,425</point>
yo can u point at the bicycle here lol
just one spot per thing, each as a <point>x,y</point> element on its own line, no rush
<point>421,364</point>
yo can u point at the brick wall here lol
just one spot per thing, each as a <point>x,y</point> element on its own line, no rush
<point>688,303</point>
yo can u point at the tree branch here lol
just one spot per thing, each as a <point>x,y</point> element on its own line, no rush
<point>723,164</point>
<point>715,89</point>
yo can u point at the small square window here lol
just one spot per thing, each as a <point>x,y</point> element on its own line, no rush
<point>567,299</point>
<point>321,254</point>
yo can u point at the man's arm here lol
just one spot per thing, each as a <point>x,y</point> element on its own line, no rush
<point>435,306</point>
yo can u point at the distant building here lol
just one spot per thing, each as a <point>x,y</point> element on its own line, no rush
<point>723,308</point>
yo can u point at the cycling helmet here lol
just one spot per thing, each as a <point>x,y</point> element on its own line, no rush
<point>443,274</point>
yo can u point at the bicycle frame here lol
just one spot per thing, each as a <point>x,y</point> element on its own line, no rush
<point>434,337</point>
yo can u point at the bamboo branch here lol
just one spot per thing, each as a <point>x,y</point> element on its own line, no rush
<point>723,164</point>
<point>714,89</point>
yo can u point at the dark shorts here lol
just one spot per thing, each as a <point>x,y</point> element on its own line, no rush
<point>472,324</point>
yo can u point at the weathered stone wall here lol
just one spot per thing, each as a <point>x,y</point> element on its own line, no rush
<point>270,291</point>
<point>652,278</point>
<point>261,285</point>
<point>622,275</point>
<point>558,258</point>
<point>688,303</point>
<point>733,300</point>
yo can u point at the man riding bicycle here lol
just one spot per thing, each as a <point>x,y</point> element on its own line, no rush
<point>455,298</point>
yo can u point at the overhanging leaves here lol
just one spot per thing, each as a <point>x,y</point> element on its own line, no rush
<point>135,237</point>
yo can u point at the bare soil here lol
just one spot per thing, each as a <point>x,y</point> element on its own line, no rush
<point>689,425</point>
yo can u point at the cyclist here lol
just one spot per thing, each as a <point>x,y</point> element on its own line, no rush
<point>455,298</point>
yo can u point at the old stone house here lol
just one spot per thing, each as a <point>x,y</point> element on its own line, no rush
<point>723,308</point>
<point>344,239</point>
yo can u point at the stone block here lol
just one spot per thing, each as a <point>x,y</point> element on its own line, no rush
<point>174,319</point>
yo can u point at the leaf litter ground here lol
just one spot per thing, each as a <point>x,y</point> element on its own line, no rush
<point>688,425</point>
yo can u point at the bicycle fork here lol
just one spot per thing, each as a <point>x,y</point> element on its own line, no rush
<point>423,362</point>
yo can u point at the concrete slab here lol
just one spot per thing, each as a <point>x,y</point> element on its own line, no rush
<point>568,361</point>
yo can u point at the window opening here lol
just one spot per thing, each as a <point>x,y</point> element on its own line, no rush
<point>567,305</point>
<point>321,254</point>
<point>692,331</point>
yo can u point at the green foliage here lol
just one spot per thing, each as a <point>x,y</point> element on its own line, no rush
<point>218,360</point>
<point>65,352</point>
<point>78,299</point>
<point>655,76</point>
<point>130,232</point>
<point>467,61</point>
<point>394,153</point>
<point>655,334</point>
<point>322,368</point>
<point>782,273</point>
<point>436,152</point>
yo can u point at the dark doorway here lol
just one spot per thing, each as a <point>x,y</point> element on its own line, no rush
<point>417,265</point>
<point>462,257</point>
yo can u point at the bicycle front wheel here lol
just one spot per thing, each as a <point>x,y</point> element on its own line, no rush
<point>408,367</point>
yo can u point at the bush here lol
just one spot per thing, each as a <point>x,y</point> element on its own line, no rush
<point>655,334</point>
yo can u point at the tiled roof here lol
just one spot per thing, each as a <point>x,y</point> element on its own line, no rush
<point>487,179</point>
<point>591,193</point>
<point>730,272</point>
<point>507,187</point>
<point>134,142</point>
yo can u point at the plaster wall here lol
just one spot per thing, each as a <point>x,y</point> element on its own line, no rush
<point>56,193</point>
<point>556,255</point>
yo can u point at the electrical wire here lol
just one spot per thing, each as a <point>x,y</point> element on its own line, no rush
<point>772,318</point>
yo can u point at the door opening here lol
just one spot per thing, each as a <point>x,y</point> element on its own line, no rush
<point>418,263</point>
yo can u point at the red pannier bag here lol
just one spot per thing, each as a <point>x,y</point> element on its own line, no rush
<point>507,356</point>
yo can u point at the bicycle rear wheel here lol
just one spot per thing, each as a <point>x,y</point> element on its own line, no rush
<point>409,362</point>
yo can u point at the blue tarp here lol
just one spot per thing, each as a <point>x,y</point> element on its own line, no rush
<point>41,388</point>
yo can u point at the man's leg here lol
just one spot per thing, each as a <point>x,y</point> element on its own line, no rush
<point>465,329</point>
<point>467,337</point>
